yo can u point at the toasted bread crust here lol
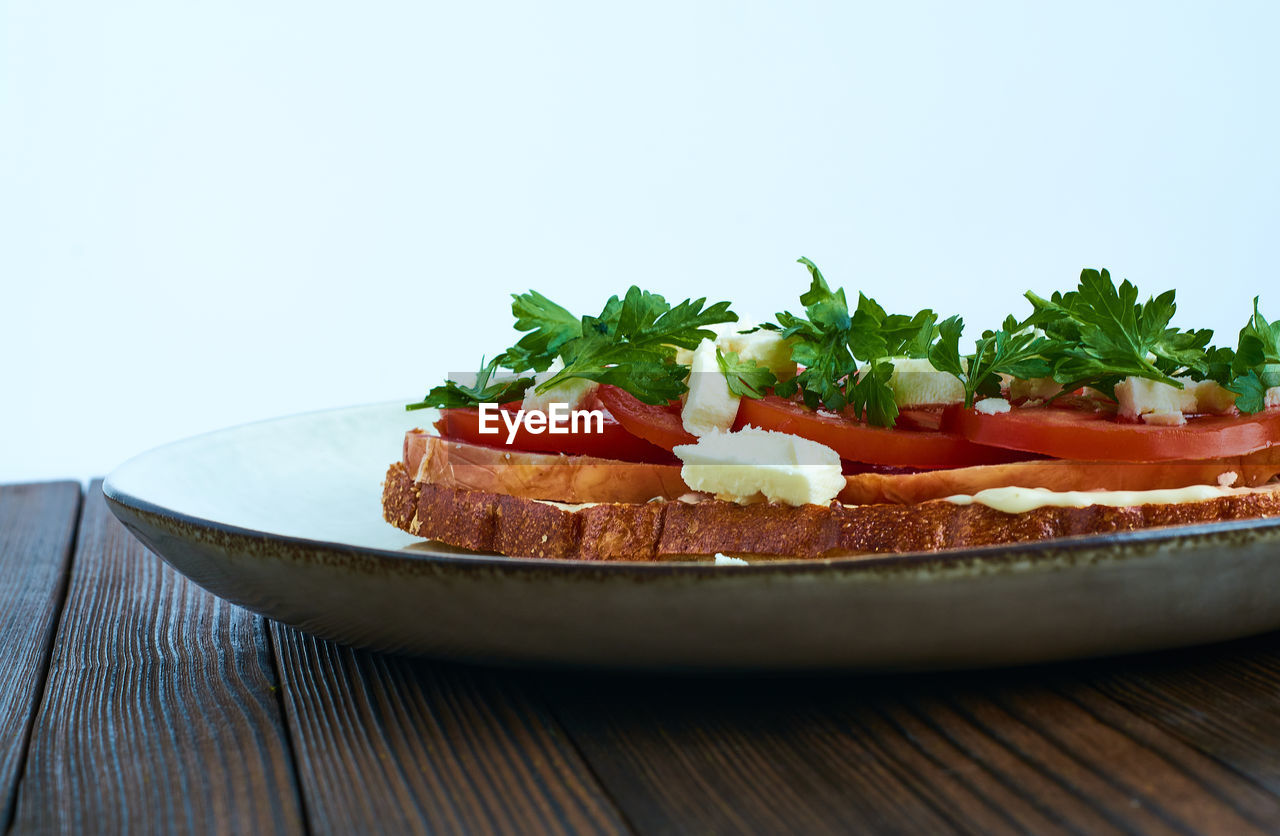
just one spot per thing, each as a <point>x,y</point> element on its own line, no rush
<point>518,527</point>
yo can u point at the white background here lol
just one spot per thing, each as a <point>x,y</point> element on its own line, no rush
<point>215,213</point>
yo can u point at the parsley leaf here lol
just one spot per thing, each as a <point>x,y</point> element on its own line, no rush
<point>820,343</point>
<point>904,336</point>
<point>1256,365</point>
<point>1012,350</point>
<point>452,394</point>
<point>632,344</point>
<point>944,355</point>
<point>1218,363</point>
<point>1103,335</point>
<point>876,338</point>
<point>832,341</point>
<point>1259,341</point>
<point>549,325</point>
<point>871,395</point>
<point>1251,391</point>
<point>746,378</point>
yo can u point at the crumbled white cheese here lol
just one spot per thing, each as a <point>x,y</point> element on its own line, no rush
<point>1154,402</point>
<point>708,405</point>
<point>1272,398</point>
<point>991,406</point>
<point>915,382</point>
<point>1211,397</point>
<point>1227,479</point>
<point>729,560</point>
<point>574,393</point>
<point>765,348</point>
<point>1166,405</point>
<point>684,356</point>
<point>752,464</point>
<point>1041,388</point>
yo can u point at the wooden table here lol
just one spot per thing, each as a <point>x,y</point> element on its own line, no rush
<point>133,701</point>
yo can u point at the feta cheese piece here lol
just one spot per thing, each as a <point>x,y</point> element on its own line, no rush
<point>1154,402</point>
<point>1212,397</point>
<point>1037,388</point>
<point>765,348</point>
<point>915,382</point>
<point>574,392</point>
<point>1164,419</point>
<point>1165,405</point>
<point>708,405</point>
<point>684,356</point>
<point>729,560</point>
<point>750,464</point>
<point>992,406</point>
<point>1271,398</point>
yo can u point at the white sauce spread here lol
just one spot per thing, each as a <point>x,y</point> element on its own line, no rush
<point>1022,500</point>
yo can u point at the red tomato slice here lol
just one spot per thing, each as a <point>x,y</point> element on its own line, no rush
<point>859,442</point>
<point>1096,436</point>
<point>614,443</point>
<point>660,425</point>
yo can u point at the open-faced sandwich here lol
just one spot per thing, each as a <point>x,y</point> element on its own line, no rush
<point>656,432</point>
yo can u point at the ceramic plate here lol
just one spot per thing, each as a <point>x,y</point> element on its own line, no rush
<point>284,517</point>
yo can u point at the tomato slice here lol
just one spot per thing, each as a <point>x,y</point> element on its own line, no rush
<point>1091,435</point>
<point>614,443</point>
<point>860,442</point>
<point>657,424</point>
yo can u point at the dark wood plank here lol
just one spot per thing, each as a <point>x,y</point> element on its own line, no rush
<point>1224,700</point>
<point>397,745</point>
<point>1016,751</point>
<point>37,530</point>
<point>160,712</point>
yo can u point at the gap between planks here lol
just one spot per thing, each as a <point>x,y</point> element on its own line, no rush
<point>39,524</point>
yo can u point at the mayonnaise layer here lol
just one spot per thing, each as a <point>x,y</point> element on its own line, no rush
<point>1022,500</point>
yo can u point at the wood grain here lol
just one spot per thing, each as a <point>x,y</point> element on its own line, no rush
<point>37,530</point>
<point>1223,700</point>
<point>391,744</point>
<point>994,752</point>
<point>160,712</point>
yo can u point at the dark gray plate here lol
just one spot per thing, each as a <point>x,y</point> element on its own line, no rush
<point>284,517</point>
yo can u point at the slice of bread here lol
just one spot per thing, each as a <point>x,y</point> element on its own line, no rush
<point>459,464</point>
<point>676,530</point>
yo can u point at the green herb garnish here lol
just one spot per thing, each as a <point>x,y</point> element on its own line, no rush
<point>746,378</point>
<point>831,343</point>
<point>1013,350</point>
<point>1095,336</point>
<point>631,344</point>
<point>820,343</point>
<point>550,327</point>
<point>1103,335</point>
<point>1256,364</point>
<point>451,394</point>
